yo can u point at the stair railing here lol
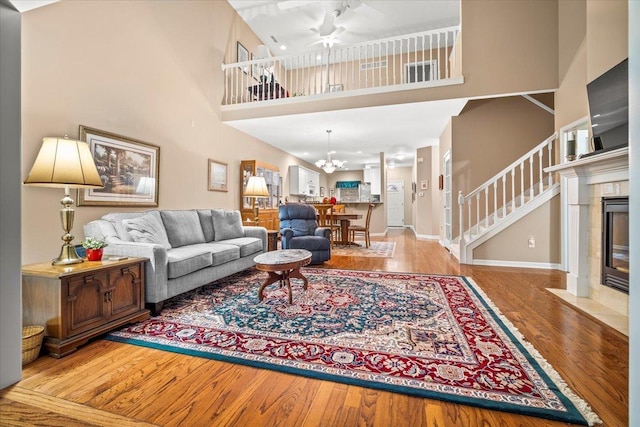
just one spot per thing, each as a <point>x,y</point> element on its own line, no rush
<point>507,190</point>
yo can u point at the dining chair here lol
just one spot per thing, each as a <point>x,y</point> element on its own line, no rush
<point>359,229</point>
<point>325,219</point>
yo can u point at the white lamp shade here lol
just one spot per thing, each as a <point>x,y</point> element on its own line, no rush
<point>64,162</point>
<point>256,187</point>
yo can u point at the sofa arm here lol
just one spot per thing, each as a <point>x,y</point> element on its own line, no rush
<point>155,270</point>
<point>259,232</point>
<point>323,232</point>
<point>286,234</point>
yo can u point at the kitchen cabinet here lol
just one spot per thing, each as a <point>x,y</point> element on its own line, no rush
<point>303,181</point>
<point>372,176</point>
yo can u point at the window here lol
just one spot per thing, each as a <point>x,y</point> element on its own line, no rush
<point>421,71</point>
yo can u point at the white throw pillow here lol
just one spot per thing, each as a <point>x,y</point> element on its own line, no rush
<point>147,229</point>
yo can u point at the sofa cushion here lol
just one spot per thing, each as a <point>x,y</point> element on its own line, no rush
<point>187,259</point>
<point>147,229</point>
<point>247,245</point>
<point>227,224</point>
<point>221,252</point>
<point>182,227</point>
<point>206,222</point>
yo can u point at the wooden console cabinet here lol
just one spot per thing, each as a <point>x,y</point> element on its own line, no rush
<point>78,302</point>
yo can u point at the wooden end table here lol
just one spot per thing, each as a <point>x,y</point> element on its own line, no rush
<point>81,301</point>
<point>282,265</point>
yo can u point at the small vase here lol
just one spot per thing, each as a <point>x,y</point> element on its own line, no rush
<point>94,254</point>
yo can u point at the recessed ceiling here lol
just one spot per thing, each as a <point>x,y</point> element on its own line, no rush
<point>358,135</point>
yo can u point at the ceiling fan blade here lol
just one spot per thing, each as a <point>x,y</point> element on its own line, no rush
<point>365,9</point>
<point>290,4</point>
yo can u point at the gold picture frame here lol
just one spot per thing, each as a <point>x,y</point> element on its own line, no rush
<point>218,176</point>
<point>129,169</point>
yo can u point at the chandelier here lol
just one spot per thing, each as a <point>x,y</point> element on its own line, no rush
<point>329,165</point>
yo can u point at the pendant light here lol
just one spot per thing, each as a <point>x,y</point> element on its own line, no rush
<point>329,165</point>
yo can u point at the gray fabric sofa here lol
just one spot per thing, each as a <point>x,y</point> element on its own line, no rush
<point>186,248</point>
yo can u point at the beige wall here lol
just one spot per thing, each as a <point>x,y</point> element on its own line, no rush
<point>607,35</point>
<point>146,70</point>
<point>512,244</point>
<point>488,135</point>
<point>427,216</point>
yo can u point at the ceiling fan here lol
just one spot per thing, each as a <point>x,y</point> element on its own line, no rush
<point>328,28</point>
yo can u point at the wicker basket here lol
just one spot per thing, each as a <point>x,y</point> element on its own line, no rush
<point>31,343</point>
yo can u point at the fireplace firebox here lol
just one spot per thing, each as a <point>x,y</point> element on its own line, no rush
<point>615,243</point>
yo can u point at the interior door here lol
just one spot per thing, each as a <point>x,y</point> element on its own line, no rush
<point>395,204</point>
<point>447,199</point>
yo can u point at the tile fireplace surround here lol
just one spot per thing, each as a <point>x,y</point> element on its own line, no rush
<point>584,182</point>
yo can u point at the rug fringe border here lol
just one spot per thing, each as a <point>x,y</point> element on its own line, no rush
<point>581,405</point>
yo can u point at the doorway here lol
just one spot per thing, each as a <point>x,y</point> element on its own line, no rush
<point>395,204</point>
<point>446,167</point>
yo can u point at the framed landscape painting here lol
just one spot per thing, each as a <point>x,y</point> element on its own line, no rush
<point>128,169</point>
<point>217,176</point>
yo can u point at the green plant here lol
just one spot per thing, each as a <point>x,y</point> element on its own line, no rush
<point>91,243</point>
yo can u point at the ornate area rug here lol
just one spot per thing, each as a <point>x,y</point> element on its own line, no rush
<point>432,336</point>
<point>376,249</point>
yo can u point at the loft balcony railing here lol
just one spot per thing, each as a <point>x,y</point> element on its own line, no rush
<point>424,59</point>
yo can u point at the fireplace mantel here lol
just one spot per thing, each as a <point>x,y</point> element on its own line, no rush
<point>606,167</point>
<point>610,166</point>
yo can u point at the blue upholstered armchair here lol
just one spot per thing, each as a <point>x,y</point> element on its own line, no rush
<point>299,230</point>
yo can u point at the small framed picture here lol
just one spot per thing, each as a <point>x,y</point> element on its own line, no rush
<point>243,56</point>
<point>255,69</point>
<point>321,191</point>
<point>217,176</point>
<point>424,184</point>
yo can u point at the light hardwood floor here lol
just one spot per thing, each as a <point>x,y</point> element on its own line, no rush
<point>112,384</point>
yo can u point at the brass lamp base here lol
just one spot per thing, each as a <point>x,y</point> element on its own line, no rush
<point>67,256</point>
<point>68,253</point>
<point>255,213</point>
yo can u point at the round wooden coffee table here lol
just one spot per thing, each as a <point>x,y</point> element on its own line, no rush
<point>283,265</point>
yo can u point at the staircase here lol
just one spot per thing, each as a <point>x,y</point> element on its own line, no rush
<point>504,199</point>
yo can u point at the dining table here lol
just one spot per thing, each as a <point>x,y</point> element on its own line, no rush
<point>345,220</point>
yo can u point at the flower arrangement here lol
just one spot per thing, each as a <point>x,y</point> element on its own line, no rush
<point>92,243</point>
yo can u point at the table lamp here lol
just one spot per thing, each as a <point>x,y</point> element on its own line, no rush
<point>65,163</point>
<point>256,187</point>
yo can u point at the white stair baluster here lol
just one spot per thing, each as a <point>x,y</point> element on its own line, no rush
<point>495,200</point>
<point>540,154</point>
<point>504,195</point>
<point>531,184</point>
<point>521,185</point>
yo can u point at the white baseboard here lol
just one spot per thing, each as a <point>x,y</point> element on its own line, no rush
<point>427,237</point>
<point>521,264</point>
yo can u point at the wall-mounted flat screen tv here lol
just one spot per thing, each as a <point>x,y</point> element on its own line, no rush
<point>609,108</point>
